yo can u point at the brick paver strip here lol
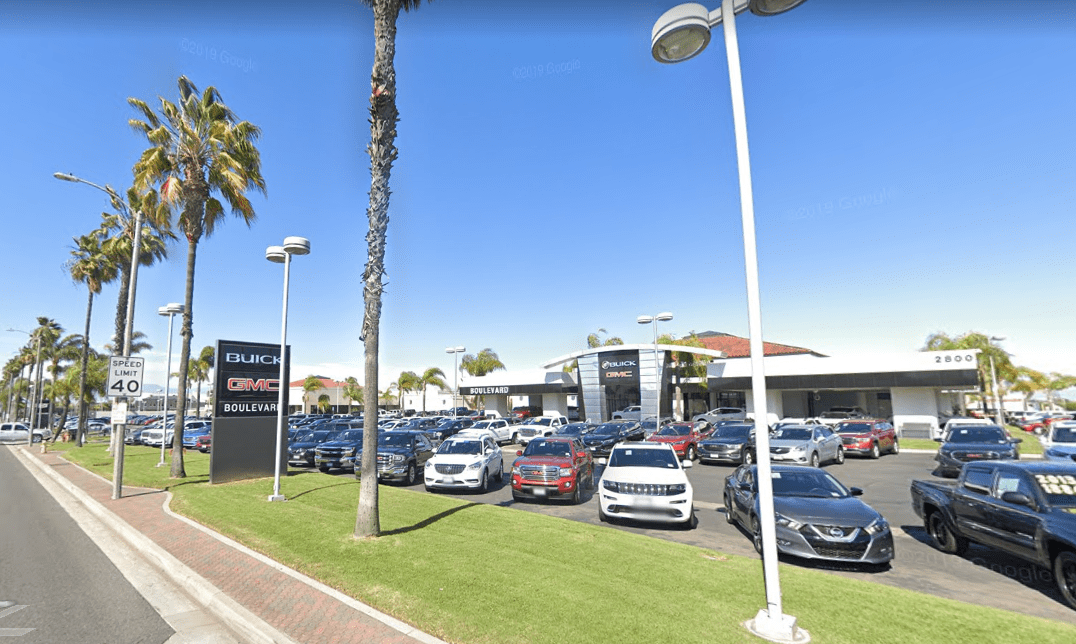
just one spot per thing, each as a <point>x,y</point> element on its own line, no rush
<point>297,609</point>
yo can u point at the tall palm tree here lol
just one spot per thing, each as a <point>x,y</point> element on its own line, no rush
<point>408,381</point>
<point>432,376</point>
<point>198,149</point>
<point>382,151</point>
<point>58,351</point>
<point>353,390</point>
<point>118,229</point>
<point>200,369</point>
<point>988,349</point>
<point>91,266</point>
<point>43,336</point>
<point>311,384</point>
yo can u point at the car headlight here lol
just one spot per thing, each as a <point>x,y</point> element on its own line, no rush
<point>397,458</point>
<point>800,448</point>
<point>676,488</point>
<point>348,452</point>
<point>565,472</point>
<point>515,469</point>
<point>786,522</point>
<point>429,464</point>
<point>877,526</point>
<point>612,486</point>
<point>475,465</point>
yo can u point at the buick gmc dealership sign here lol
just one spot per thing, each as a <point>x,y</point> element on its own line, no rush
<point>619,368</point>
<point>247,379</point>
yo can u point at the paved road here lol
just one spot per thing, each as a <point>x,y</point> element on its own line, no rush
<point>71,591</point>
<point>982,576</point>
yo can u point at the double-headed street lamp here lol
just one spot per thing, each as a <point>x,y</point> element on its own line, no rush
<point>679,34</point>
<point>171,310</point>
<point>282,255</point>
<point>119,433</point>
<point>653,320</point>
<point>455,351</point>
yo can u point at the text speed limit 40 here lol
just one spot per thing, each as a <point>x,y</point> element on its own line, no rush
<point>125,376</point>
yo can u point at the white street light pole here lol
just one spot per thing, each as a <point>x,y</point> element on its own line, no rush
<point>171,310</point>
<point>679,34</point>
<point>999,415</point>
<point>455,351</point>
<point>653,320</point>
<point>118,434</point>
<point>282,254</point>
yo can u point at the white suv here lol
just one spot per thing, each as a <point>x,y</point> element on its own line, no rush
<point>537,427</point>
<point>645,482</point>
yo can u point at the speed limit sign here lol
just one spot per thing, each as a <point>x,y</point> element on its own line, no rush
<point>125,376</point>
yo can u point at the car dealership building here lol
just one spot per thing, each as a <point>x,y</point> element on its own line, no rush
<point>913,388</point>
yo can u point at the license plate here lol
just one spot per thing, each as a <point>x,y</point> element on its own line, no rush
<point>539,491</point>
<point>975,455</point>
<point>448,479</point>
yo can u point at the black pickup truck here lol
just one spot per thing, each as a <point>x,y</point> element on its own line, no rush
<point>1026,509</point>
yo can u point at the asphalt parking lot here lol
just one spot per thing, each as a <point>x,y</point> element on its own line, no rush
<point>982,576</point>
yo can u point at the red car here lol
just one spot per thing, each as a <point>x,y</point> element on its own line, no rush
<point>204,443</point>
<point>553,466</point>
<point>868,437</point>
<point>684,438</point>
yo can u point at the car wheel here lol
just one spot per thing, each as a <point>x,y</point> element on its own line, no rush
<point>516,497</point>
<point>896,447</point>
<point>875,452</point>
<point>942,536</point>
<point>575,492</point>
<point>840,456</point>
<point>323,469</point>
<point>411,475</point>
<point>756,534</point>
<point>814,459</point>
<point>37,438</point>
<point>483,487</point>
<point>691,452</point>
<point>602,516</point>
<point>748,457</point>
<point>728,510</point>
<point>1065,573</point>
<point>515,439</point>
<point>692,521</point>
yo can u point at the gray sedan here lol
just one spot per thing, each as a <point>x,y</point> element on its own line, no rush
<point>806,445</point>
<point>816,516</point>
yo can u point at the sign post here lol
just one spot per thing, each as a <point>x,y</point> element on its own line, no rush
<point>124,380</point>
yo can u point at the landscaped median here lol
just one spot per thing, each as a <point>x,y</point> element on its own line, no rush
<point>476,573</point>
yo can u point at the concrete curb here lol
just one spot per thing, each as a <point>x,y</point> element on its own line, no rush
<point>245,623</point>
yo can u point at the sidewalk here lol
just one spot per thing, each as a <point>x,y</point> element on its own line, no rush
<point>261,600</point>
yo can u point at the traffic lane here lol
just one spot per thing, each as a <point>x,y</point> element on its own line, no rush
<point>982,576</point>
<point>71,590</point>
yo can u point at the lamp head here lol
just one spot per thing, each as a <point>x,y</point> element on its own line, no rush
<point>773,7</point>
<point>644,319</point>
<point>276,254</point>
<point>455,350</point>
<point>665,316</point>
<point>296,245</point>
<point>173,308</point>
<point>680,33</point>
<point>65,177</point>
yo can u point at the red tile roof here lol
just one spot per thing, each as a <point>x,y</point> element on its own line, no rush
<point>737,347</point>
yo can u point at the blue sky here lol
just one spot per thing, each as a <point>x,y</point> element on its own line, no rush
<point>913,168</point>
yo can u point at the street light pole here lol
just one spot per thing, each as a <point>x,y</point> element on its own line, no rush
<point>455,351</point>
<point>171,310</point>
<point>282,255</point>
<point>999,415</point>
<point>679,34</point>
<point>118,434</point>
<point>653,320</point>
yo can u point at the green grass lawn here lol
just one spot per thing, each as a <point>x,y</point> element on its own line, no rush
<point>475,573</point>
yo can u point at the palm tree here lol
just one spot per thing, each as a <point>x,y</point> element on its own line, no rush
<point>432,376</point>
<point>323,403</point>
<point>91,266</point>
<point>311,384</point>
<point>382,151</point>
<point>201,368</point>
<point>1006,372</point>
<point>353,390</point>
<point>408,381</point>
<point>197,150</point>
<point>118,232</point>
<point>481,364</point>
<point>58,350</point>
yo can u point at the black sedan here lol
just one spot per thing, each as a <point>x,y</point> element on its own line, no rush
<point>729,443</point>
<point>816,516</point>
<point>601,439</point>
<point>401,455</point>
<point>974,443</point>
<point>301,449</point>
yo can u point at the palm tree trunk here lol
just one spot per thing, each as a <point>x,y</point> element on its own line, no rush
<point>80,432</point>
<point>382,151</point>
<point>187,334</point>
<point>121,306</point>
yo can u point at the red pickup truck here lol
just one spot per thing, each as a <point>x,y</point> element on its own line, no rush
<point>551,467</point>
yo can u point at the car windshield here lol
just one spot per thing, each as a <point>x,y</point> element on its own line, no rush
<point>1064,435</point>
<point>808,483</point>
<point>675,430</point>
<point>484,424</point>
<point>834,414</point>
<point>575,429</point>
<point>389,439</point>
<point>632,457</point>
<point>548,448</point>
<point>460,447</point>
<point>606,429</point>
<point>792,434</point>
<point>349,435</point>
<point>853,428</point>
<point>733,431</point>
<point>978,435</point>
<point>1059,488</point>
<point>538,420</point>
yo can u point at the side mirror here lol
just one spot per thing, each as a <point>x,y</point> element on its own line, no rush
<point>855,491</point>
<point>687,464</point>
<point>603,461</point>
<point>938,439</point>
<point>519,452</point>
<point>1017,498</point>
<point>1016,440</point>
<point>745,486</point>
